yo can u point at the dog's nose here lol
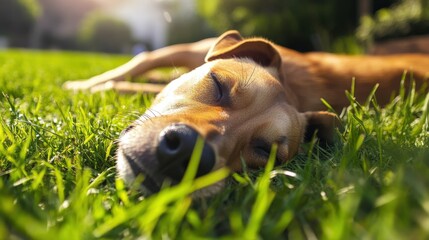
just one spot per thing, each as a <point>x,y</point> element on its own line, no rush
<point>176,144</point>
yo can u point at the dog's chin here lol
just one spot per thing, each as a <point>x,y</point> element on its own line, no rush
<point>123,168</point>
<point>128,169</point>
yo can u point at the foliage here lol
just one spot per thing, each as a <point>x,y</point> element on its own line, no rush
<point>408,17</point>
<point>57,174</point>
<point>17,18</point>
<point>298,24</point>
<point>107,34</point>
<point>185,28</point>
<point>347,44</point>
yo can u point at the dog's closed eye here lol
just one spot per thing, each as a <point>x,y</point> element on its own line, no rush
<point>261,147</point>
<point>219,87</point>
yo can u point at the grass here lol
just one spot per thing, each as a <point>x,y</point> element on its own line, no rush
<point>57,169</point>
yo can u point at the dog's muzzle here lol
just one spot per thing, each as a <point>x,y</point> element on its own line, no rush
<point>175,147</point>
<point>162,156</point>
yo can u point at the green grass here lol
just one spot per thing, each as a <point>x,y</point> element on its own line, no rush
<point>57,174</point>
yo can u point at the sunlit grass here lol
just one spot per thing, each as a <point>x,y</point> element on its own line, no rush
<point>57,174</point>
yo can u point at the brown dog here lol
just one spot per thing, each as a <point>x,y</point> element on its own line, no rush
<point>249,94</point>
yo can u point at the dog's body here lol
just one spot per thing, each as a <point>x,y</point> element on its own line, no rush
<point>247,95</point>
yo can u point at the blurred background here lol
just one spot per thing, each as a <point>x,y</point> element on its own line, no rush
<point>132,26</point>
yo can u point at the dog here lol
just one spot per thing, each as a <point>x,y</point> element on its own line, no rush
<point>241,96</point>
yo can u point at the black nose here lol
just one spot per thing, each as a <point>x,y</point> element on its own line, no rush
<point>176,144</point>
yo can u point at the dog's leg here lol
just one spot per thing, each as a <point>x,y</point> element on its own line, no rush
<point>189,55</point>
<point>128,87</point>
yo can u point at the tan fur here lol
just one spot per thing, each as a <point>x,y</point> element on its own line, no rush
<point>271,94</point>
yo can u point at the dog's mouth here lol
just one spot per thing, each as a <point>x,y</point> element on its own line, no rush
<point>149,183</point>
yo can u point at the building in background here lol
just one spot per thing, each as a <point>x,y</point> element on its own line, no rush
<point>149,20</point>
<point>144,17</point>
<point>59,22</point>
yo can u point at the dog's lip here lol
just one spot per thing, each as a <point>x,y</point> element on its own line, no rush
<point>149,182</point>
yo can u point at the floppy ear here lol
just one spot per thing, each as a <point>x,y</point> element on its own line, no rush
<point>322,122</point>
<point>232,45</point>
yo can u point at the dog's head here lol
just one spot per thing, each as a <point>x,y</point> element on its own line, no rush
<point>235,101</point>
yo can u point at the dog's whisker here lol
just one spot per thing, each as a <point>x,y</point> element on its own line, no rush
<point>135,114</point>
<point>242,72</point>
<point>148,117</point>
<point>249,79</point>
<point>155,113</point>
<point>150,111</point>
<point>142,119</point>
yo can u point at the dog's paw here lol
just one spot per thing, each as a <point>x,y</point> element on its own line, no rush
<point>110,85</point>
<point>76,85</point>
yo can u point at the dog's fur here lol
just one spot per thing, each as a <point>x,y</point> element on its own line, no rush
<point>245,96</point>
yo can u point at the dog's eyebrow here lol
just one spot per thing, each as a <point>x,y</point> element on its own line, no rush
<point>243,84</point>
<point>241,79</point>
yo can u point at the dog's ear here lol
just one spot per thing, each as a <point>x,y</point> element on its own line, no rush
<point>232,45</point>
<point>323,124</point>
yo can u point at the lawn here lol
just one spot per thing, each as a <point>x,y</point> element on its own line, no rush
<point>57,169</point>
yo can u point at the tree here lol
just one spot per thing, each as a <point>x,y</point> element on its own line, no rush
<point>299,24</point>
<point>107,34</point>
<point>407,17</point>
<point>17,18</point>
